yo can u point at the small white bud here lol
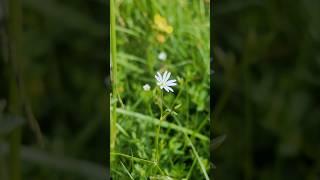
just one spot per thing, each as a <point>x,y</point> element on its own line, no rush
<point>162,56</point>
<point>146,87</point>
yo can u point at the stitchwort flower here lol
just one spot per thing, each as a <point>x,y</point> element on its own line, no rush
<point>162,56</point>
<point>146,87</point>
<point>164,82</point>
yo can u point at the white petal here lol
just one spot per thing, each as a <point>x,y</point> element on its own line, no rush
<point>166,88</point>
<point>171,81</point>
<point>160,77</point>
<point>164,76</point>
<point>170,89</point>
<point>167,77</point>
<point>171,84</point>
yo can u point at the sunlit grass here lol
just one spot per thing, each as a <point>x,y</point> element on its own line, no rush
<point>159,36</point>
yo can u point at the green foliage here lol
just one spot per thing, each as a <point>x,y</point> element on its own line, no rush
<point>183,136</point>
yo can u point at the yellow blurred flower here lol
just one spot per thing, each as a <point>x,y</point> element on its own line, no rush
<point>120,89</point>
<point>162,24</point>
<point>160,38</point>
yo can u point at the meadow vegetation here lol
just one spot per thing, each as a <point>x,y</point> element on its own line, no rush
<point>157,133</point>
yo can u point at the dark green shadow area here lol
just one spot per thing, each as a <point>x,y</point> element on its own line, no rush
<point>267,70</point>
<point>54,104</point>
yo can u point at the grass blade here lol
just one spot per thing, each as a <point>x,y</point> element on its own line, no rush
<point>124,167</point>
<point>63,164</point>
<point>164,124</point>
<point>202,167</point>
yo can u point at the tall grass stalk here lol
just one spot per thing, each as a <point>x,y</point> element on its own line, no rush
<point>15,37</point>
<point>247,59</point>
<point>113,46</point>
<point>159,127</point>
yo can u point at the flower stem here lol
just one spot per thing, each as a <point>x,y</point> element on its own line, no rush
<point>113,45</point>
<point>158,130</point>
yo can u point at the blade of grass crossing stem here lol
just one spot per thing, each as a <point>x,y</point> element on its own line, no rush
<point>132,158</point>
<point>125,168</point>
<point>122,130</point>
<point>164,124</point>
<point>202,167</point>
<point>191,169</point>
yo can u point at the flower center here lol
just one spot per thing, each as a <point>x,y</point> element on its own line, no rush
<point>162,84</point>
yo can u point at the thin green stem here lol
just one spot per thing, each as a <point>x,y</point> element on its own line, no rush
<point>191,169</point>
<point>197,157</point>
<point>127,171</point>
<point>139,160</point>
<point>161,171</point>
<point>132,158</point>
<point>159,127</point>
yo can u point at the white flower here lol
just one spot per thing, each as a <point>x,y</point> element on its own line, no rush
<point>146,87</point>
<point>162,56</point>
<point>164,82</point>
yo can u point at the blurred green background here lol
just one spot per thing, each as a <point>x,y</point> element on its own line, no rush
<point>266,82</point>
<point>63,63</point>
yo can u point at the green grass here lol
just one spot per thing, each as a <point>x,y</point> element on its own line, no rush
<point>160,135</point>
